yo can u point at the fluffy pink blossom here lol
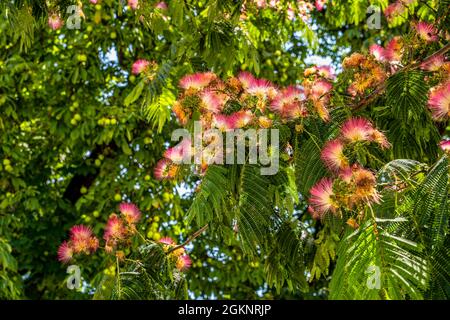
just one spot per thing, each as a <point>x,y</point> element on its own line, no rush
<point>65,252</point>
<point>346,174</point>
<point>80,232</point>
<point>197,81</point>
<point>356,129</point>
<point>433,64</point>
<point>445,146</point>
<point>165,169</point>
<point>260,3</point>
<point>140,66</point>
<point>378,52</point>
<point>319,89</point>
<point>115,229</point>
<point>246,79</point>
<point>333,155</point>
<point>81,239</point>
<point>289,103</point>
<point>322,197</point>
<point>320,4</point>
<point>393,51</point>
<point>242,118</point>
<point>262,88</point>
<point>326,72</point>
<point>184,262</point>
<point>162,5</point>
<point>213,101</point>
<point>55,22</point>
<point>393,10</point>
<point>224,122</point>
<point>439,101</point>
<point>130,211</point>
<point>167,241</point>
<point>133,4</point>
<point>295,111</point>
<point>274,3</point>
<point>180,152</point>
<point>426,31</point>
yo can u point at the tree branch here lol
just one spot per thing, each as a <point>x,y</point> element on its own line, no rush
<point>190,239</point>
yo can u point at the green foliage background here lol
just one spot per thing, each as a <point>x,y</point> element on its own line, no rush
<point>82,134</point>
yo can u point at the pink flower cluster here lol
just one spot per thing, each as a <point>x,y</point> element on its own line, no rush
<point>354,130</point>
<point>167,168</point>
<point>353,185</point>
<point>244,102</point>
<point>118,232</point>
<point>370,71</point>
<point>145,68</point>
<point>391,53</point>
<point>351,189</point>
<point>81,241</point>
<point>317,84</point>
<point>439,95</point>
<point>119,228</point>
<point>366,73</point>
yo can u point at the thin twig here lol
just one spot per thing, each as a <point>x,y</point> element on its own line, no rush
<point>441,51</point>
<point>118,275</point>
<point>190,239</point>
<point>141,236</point>
<point>429,7</point>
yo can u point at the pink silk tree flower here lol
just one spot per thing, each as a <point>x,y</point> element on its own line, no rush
<point>333,155</point>
<point>133,4</point>
<point>55,22</point>
<point>322,197</point>
<point>439,102</point>
<point>140,66</point>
